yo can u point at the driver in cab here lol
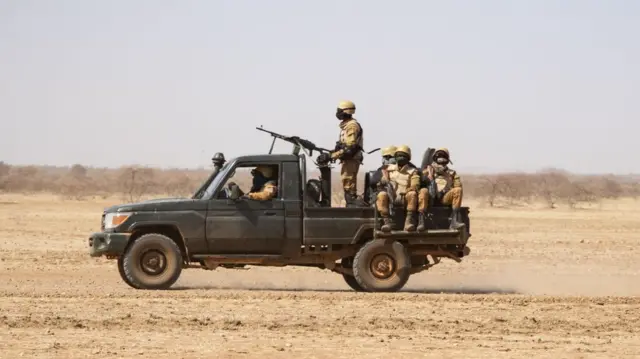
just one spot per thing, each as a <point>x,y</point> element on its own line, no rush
<point>265,184</point>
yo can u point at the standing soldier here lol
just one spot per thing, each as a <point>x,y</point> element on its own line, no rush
<point>405,180</point>
<point>348,150</point>
<point>449,188</point>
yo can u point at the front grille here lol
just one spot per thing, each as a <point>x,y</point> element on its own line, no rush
<point>102,222</point>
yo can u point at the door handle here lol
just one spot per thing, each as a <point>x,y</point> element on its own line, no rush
<point>269,213</point>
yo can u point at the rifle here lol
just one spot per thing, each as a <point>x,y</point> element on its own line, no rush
<point>296,141</point>
<point>391,192</point>
<point>427,160</point>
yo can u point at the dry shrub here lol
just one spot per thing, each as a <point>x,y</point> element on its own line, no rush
<point>551,187</point>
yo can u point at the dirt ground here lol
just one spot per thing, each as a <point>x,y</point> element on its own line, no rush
<point>538,283</point>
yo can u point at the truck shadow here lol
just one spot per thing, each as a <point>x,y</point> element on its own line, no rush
<point>456,290</point>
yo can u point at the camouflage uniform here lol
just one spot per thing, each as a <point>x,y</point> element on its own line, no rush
<point>449,188</point>
<point>348,150</point>
<point>405,180</point>
<point>264,187</point>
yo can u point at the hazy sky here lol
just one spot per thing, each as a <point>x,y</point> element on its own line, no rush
<point>505,85</point>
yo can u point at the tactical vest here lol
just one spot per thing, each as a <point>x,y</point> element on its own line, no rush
<point>359,142</point>
<point>401,177</point>
<point>444,178</point>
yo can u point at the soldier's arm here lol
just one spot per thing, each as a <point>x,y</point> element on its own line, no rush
<point>268,192</point>
<point>414,181</point>
<point>456,180</point>
<point>351,140</point>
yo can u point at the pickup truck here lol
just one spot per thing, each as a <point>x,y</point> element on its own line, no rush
<point>153,241</point>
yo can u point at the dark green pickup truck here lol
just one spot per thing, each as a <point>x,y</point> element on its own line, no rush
<point>154,240</point>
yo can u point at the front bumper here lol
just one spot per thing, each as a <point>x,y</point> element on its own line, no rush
<point>102,243</point>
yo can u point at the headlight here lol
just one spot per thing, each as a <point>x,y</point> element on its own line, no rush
<point>114,219</point>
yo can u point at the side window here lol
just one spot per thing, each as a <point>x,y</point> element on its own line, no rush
<point>244,178</point>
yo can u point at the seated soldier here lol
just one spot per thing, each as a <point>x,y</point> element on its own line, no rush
<point>448,188</point>
<point>265,184</point>
<point>405,180</point>
<point>388,155</point>
<point>388,158</point>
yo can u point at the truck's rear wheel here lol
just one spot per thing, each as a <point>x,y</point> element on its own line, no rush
<point>382,267</point>
<point>351,280</point>
<point>153,261</point>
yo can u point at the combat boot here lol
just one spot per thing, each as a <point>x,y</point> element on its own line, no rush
<point>409,222</point>
<point>350,199</point>
<point>421,225</point>
<point>455,219</point>
<point>387,225</point>
<point>347,199</point>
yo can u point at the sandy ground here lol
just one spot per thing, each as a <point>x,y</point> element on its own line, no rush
<point>538,283</point>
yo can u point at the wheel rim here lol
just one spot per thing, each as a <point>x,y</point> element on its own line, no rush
<point>153,262</point>
<point>383,266</point>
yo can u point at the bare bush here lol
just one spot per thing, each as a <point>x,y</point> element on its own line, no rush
<point>135,182</point>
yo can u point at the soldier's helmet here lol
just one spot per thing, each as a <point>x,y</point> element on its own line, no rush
<point>441,152</point>
<point>266,171</point>
<point>388,151</point>
<point>403,149</point>
<point>347,107</point>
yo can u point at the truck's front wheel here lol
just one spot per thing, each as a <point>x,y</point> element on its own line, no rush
<point>153,261</point>
<point>382,267</point>
<point>123,275</point>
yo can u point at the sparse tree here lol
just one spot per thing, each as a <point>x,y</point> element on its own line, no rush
<point>136,182</point>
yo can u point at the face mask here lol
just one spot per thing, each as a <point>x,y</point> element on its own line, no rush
<point>402,160</point>
<point>340,115</point>
<point>442,161</point>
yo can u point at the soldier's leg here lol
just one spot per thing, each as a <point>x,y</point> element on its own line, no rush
<point>411,201</point>
<point>382,205</point>
<point>349,176</point>
<point>454,198</point>
<point>423,206</point>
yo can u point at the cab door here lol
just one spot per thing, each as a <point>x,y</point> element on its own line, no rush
<point>245,226</point>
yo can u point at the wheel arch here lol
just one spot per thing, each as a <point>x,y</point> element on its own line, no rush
<point>363,235</point>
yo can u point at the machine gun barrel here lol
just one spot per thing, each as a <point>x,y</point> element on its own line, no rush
<point>295,140</point>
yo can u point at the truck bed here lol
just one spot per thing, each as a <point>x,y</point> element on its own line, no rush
<point>348,225</point>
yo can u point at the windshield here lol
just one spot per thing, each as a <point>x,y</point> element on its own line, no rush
<point>207,188</point>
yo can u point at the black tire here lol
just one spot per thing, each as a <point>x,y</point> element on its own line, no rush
<point>163,249</point>
<point>352,282</point>
<point>347,262</point>
<point>392,271</point>
<point>121,271</point>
